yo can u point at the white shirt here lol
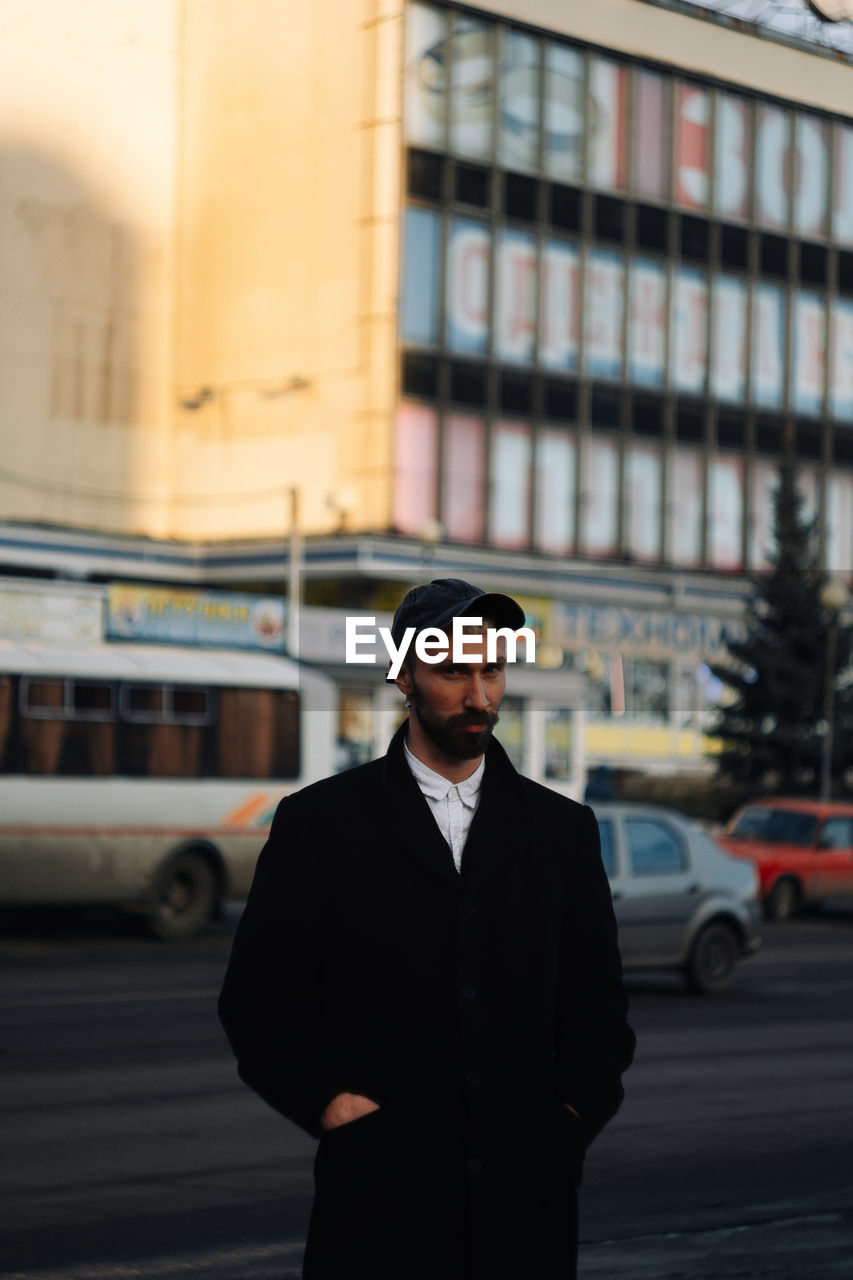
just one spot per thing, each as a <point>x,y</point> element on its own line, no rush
<point>452,804</point>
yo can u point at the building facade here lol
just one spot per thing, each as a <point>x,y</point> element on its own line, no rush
<point>534,293</point>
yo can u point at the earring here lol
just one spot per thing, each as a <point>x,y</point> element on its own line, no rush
<point>407,704</point>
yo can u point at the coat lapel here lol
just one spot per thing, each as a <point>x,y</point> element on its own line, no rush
<point>414,826</point>
<point>499,829</point>
<point>497,833</point>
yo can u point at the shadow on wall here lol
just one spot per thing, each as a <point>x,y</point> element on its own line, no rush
<point>71,338</point>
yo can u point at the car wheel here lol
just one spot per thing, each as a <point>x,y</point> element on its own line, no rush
<point>783,900</point>
<point>712,965</point>
<point>184,897</point>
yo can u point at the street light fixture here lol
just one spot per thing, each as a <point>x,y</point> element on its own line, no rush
<point>833,597</point>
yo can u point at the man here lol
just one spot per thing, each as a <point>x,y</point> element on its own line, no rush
<point>426,978</point>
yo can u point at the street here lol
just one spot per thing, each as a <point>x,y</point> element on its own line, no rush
<point>131,1149</point>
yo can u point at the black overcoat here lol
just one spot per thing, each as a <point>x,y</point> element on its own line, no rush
<point>470,1006</point>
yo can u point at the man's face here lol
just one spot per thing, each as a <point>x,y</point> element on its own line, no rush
<point>456,704</point>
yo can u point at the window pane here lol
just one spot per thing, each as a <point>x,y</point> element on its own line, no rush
<point>768,346</point>
<point>689,331</point>
<point>764,479</point>
<point>189,704</point>
<point>808,353</point>
<point>841,371</point>
<point>653,848</point>
<point>728,337</point>
<point>472,87</point>
<point>650,167</point>
<point>519,113</point>
<point>419,305</point>
<point>258,733</point>
<point>564,113</point>
<point>560,306</point>
<point>510,485</point>
<point>601,480</point>
<point>554,510</point>
<point>67,748</point>
<point>44,695</point>
<point>515,318</point>
<point>143,701</point>
<point>839,524</point>
<point>773,145</point>
<point>463,478</point>
<point>842,202</point>
<point>725,516</point>
<point>603,313</point>
<point>643,496</point>
<point>692,148</point>
<point>608,88</point>
<point>160,750</point>
<point>731,161</point>
<point>811,168</point>
<point>91,701</point>
<point>684,505</point>
<point>415,468</point>
<point>468,264</point>
<point>425,75</point>
<point>558,744</point>
<point>647,323</point>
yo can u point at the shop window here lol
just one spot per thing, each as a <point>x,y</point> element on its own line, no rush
<point>554,508</point>
<point>419,303</point>
<point>472,80</point>
<point>564,113</point>
<point>511,458</point>
<point>415,468</point>
<point>558,744</point>
<point>463,477</point>
<point>518,142</point>
<point>650,177</point>
<point>648,690</point>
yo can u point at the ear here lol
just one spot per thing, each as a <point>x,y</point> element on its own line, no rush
<point>404,680</point>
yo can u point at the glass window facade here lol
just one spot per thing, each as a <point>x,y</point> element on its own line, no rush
<point>624,290</point>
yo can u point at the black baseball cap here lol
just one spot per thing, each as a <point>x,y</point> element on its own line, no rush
<point>438,602</point>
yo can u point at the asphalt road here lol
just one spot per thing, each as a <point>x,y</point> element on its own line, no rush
<point>130,1149</point>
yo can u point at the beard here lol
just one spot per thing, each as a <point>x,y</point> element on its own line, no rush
<point>451,735</point>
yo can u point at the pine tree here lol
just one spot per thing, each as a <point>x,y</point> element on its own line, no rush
<point>772,722</point>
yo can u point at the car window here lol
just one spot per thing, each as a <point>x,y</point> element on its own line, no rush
<point>608,855</point>
<point>837,833</point>
<point>653,848</point>
<point>775,826</point>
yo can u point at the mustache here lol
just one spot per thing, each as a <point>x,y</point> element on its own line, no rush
<point>488,718</point>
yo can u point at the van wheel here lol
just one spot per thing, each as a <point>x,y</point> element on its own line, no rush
<point>783,900</point>
<point>712,964</point>
<point>184,897</point>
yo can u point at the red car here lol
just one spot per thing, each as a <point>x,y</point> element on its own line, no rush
<point>802,849</point>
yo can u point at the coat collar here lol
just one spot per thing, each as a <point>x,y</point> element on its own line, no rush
<point>497,833</point>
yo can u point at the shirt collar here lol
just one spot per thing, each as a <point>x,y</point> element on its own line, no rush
<point>436,786</point>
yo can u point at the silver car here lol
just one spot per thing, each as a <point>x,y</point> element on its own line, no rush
<point>681,902</point>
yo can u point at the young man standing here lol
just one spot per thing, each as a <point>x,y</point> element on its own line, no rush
<point>426,978</point>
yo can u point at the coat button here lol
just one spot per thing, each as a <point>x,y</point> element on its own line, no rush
<point>468,906</point>
<point>468,991</point>
<point>475,1165</point>
<point>473,1079</point>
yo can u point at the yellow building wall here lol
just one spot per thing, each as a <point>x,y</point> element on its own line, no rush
<point>288,249</point>
<point>87,129</point>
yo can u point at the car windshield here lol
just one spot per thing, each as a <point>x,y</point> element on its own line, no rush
<point>775,826</point>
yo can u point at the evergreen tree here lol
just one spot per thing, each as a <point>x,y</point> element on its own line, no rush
<point>772,723</point>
